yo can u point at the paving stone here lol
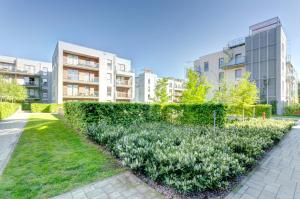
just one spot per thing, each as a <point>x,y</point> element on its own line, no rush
<point>267,195</point>
<point>122,186</point>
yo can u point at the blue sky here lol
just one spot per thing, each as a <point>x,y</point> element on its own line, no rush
<point>165,35</point>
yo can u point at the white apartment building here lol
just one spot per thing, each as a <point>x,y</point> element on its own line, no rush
<point>85,74</point>
<point>263,54</point>
<point>145,84</point>
<point>34,75</point>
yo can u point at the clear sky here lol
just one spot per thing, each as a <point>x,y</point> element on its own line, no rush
<point>165,35</point>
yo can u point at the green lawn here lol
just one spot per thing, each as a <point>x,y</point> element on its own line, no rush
<point>50,159</point>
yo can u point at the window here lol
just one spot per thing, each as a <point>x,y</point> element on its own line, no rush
<point>45,70</point>
<point>109,91</point>
<point>221,62</point>
<point>238,58</point>
<point>170,85</point>
<point>72,90</point>
<point>45,95</point>
<point>221,76</point>
<point>206,66</point>
<point>29,69</point>
<point>72,59</point>
<point>238,74</point>
<point>109,79</point>
<point>45,82</point>
<point>109,65</point>
<point>148,81</point>
<point>122,67</point>
<point>73,74</point>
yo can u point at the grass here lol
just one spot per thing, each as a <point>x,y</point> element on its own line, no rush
<point>50,159</point>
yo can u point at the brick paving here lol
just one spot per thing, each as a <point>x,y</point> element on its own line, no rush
<point>10,131</point>
<point>278,175</point>
<point>125,185</point>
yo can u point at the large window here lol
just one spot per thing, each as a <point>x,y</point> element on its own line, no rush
<point>72,90</point>
<point>29,69</point>
<point>238,58</point>
<point>73,74</point>
<point>206,66</point>
<point>45,70</point>
<point>109,65</point>
<point>72,59</point>
<point>238,74</point>
<point>109,91</point>
<point>122,67</point>
<point>221,62</point>
<point>109,78</point>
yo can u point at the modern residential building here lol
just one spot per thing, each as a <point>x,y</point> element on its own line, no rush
<point>262,53</point>
<point>145,84</point>
<point>34,75</point>
<point>85,74</point>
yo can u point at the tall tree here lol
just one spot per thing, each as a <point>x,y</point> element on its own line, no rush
<point>161,94</point>
<point>197,88</point>
<point>223,94</point>
<point>11,91</point>
<point>245,92</point>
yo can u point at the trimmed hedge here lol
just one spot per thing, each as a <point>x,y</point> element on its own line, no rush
<point>194,114</point>
<point>293,109</point>
<point>44,108</point>
<point>26,106</point>
<point>252,110</point>
<point>82,113</point>
<point>7,109</point>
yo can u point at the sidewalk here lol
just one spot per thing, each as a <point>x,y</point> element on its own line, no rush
<point>125,185</point>
<point>278,175</point>
<point>10,131</point>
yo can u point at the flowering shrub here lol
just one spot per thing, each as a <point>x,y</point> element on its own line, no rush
<point>189,157</point>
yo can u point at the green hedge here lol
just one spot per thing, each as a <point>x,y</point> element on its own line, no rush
<point>26,106</point>
<point>7,109</point>
<point>44,108</point>
<point>252,110</point>
<point>82,113</point>
<point>194,113</point>
<point>293,109</point>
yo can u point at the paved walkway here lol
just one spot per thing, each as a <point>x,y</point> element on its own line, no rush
<point>125,185</point>
<point>278,175</point>
<point>10,130</point>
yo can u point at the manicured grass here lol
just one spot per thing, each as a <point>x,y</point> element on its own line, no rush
<point>50,159</point>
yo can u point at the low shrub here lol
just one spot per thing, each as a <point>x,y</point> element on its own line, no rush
<point>7,109</point>
<point>189,157</point>
<point>26,106</point>
<point>293,109</point>
<point>44,108</point>
<point>251,110</point>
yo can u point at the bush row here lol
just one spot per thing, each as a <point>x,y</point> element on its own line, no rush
<point>189,158</point>
<point>7,109</point>
<point>44,108</point>
<point>83,113</point>
<point>251,110</point>
<point>293,109</point>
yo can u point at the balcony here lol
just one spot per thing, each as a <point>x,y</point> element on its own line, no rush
<point>76,80</point>
<point>31,84</point>
<point>14,70</point>
<point>125,83</point>
<point>123,95</point>
<point>93,95</point>
<point>234,63</point>
<point>126,73</point>
<point>82,64</point>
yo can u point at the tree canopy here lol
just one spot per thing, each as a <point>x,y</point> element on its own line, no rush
<point>197,88</point>
<point>11,91</point>
<point>161,94</point>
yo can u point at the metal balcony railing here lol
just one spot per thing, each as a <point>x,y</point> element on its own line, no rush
<point>82,63</point>
<point>17,70</point>
<point>123,95</point>
<point>89,80</point>
<point>94,94</point>
<point>123,82</point>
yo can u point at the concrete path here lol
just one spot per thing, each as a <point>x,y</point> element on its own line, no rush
<point>10,131</point>
<point>125,185</point>
<point>278,175</point>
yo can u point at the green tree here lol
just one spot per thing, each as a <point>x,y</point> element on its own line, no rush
<point>223,94</point>
<point>161,94</point>
<point>197,88</point>
<point>245,92</point>
<point>11,91</point>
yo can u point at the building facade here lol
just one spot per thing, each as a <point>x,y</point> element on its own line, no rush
<point>145,84</point>
<point>85,74</point>
<point>263,54</point>
<point>34,75</point>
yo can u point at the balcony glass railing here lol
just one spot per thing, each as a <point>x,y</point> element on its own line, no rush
<point>94,94</point>
<point>123,95</point>
<point>31,84</point>
<point>124,82</point>
<point>16,69</point>
<point>82,63</point>
<point>88,80</point>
